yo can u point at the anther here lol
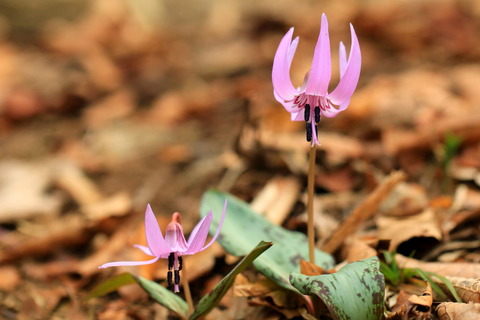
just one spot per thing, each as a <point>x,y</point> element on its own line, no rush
<point>309,131</point>
<point>306,115</point>
<point>169,278</point>
<point>316,130</point>
<point>317,114</point>
<point>177,276</point>
<point>180,263</point>
<point>171,259</point>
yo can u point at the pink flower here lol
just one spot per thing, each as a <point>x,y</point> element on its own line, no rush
<point>312,100</point>
<point>174,245</point>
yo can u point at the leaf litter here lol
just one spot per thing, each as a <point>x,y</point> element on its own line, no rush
<point>124,103</point>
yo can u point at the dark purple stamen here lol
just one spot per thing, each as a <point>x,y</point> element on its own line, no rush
<point>169,278</point>
<point>306,115</point>
<point>171,259</point>
<point>309,131</point>
<point>317,114</point>
<point>180,263</point>
<point>316,130</point>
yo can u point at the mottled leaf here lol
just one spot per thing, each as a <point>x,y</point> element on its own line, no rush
<point>209,301</point>
<point>243,229</point>
<point>354,292</point>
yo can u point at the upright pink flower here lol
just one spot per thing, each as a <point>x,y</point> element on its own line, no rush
<point>174,245</point>
<point>312,100</point>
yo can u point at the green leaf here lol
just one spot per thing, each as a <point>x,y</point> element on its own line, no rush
<point>211,299</point>
<point>163,296</point>
<point>243,229</point>
<point>111,285</point>
<point>354,292</point>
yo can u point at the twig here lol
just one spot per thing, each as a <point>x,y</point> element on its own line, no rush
<point>364,211</point>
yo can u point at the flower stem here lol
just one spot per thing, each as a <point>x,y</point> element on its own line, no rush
<point>310,189</point>
<point>186,289</point>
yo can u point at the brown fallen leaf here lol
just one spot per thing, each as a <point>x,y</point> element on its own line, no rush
<point>359,249</point>
<point>458,311</point>
<point>265,293</point>
<point>411,306</point>
<point>399,230</point>
<point>277,198</point>
<point>311,269</point>
<point>405,199</point>
<point>10,278</point>
<point>23,191</point>
<point>396,141</point>
<point>467,289</point>
<point>453,269</point>
<point>363,212</point>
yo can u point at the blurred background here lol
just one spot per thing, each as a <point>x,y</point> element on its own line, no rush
<point>106,106</point>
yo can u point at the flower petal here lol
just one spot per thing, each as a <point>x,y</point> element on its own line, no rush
<point>281,67</point>
<point>321,66</point>
<point>174,235</point>
<point>220,223</point>
<point>155,241</point>
<point>145,250</point>
<point>297,116</point>
<point>128,263</point>
<point>199,235</point>
<point>342,58</point>
<point>349,80</point>
<point>290,106</point>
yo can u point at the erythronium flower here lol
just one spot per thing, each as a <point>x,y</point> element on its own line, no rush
<point>312,100</point>
<point>174,245</point>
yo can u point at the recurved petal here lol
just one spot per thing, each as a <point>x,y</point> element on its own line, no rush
<point>156,242</point>
<point>281,67</point>
<point>199,235</point>
<point>145,250</point>
<point>127,263</point>
<point>321,66</point>
<point>349,80</point>
<point>220,223</point>
<point>298,116</point>
<point>288,105</point>
<point>342,53</point>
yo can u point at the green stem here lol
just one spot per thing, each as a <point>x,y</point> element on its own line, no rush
<point>310,189</point>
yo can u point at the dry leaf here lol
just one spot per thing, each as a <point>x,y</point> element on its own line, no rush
<point>467,289</point>
<point>412,306</point>
<point>453,269</point>
<point>276,199</point>
<point>399,230</point>
<point>363,211</point>
<point>458,311</point>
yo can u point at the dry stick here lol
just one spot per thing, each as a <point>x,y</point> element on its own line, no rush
<point>186,290</point>
<point>310,189</point>
<point>364,211</point>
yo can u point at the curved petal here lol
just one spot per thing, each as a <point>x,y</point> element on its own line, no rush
<point>145,250</point>
<point>321,66</point>
<point>220,223</point>
<point>349,80</point>
<point>281,67</point>
<point>174,236</point>
<point>297,116</point>
<point>155,241</point>
<point>342,58</point>
<point>290,106</point>
<point>199,235</point>
<point>128,263</point>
